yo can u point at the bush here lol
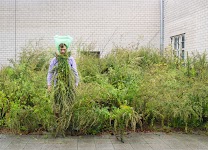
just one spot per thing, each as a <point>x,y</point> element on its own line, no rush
<point>23,83</point>
<point>125,90</point>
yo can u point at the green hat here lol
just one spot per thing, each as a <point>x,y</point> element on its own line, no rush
<point>67,40</point>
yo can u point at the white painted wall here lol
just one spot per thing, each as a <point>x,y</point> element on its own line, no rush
<point>102,22</point>
<point>189,17</point>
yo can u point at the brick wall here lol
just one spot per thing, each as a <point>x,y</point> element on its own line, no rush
<point>104,23</point>
<point>7,31</point>
<point>189,17</point>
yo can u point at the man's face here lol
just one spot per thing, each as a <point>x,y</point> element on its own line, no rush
<point>63,50</point>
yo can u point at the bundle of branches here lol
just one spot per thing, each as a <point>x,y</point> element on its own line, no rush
<point>64,95</point>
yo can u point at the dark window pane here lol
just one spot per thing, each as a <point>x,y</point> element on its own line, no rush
<point>183,44</point>
<point>183,54</point>
<point>183,41</point>
<point>183,37</point>
<point>176,43</point>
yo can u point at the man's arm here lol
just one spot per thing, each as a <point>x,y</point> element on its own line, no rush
<point>74,69</point>
<point>50,73</point>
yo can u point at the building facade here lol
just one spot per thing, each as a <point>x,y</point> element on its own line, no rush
<point>186,26</point>
<point>102,24</point>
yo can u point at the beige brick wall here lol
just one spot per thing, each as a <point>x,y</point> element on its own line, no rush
<point>7,31</point>
<point>189,17</point>
<point>103,22</point>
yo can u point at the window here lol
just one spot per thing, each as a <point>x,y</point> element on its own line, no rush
<point>178,44</point>
<point>91,53</point>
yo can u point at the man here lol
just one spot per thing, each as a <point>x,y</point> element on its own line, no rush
<point>63,71</point>
<point>62,44</point>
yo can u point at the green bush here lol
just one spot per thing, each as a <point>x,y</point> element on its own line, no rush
<point>125,90</point>
<point>26,104</point>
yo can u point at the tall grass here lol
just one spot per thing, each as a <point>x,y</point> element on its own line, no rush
<point>125,90</point>
<point>64,95</point>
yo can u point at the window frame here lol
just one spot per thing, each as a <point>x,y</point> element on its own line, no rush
<point>178,45</point>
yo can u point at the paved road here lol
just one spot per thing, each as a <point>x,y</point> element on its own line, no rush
<point>134,141</point>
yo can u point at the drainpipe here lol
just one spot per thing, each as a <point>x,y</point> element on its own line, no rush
<point>15,30</point>
<point>161,27</point>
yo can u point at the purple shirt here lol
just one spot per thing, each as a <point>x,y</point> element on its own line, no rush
<point>54,62</point>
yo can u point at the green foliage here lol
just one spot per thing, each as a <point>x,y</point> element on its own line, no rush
<point>3,107</point>
<point>125,90</point>
<point>26,106</point>
<point>89,118</point>
<point>64,95</point>
<point>125,117</point>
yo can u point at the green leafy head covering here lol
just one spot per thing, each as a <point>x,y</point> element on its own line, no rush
<point>67,40</point>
